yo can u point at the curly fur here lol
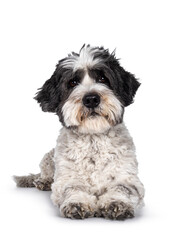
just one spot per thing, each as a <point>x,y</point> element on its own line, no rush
<point>93,170</point>
<point>96,170</point>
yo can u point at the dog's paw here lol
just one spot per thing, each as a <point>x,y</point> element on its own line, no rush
<point>43,184</point>
<point>77,211</point>
<point>117,211</point>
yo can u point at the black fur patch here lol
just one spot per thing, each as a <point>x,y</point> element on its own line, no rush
<point>123,83</point>
<point>56,90</point>
<point>50,94</point>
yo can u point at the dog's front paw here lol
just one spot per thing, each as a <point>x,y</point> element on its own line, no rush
<point>117,210</point>
<point>77,211</point>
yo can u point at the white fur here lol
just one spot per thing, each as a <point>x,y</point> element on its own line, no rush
<point>84,60</point>
<point>86,164</point>
<point>74,109</point>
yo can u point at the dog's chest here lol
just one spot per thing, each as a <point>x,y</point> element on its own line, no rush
<point>91,154</point>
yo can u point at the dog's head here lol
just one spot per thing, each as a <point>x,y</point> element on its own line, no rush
<point>89,90</point>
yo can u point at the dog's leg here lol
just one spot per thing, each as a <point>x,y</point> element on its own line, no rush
<point>122,199</point>
<point>47,172</point>
<point>74,200</point>
<point>79,205</point>
<point>43,180</point>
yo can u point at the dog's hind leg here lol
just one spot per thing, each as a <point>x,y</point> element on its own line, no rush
<point>44,179</point>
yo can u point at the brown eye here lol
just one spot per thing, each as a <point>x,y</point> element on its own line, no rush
<point>102,79</point>
<point>73,83</point>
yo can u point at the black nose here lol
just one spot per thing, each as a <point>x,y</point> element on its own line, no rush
<point>91,100</point>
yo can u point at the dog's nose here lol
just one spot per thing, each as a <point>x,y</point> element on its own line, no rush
<point>91,100</point>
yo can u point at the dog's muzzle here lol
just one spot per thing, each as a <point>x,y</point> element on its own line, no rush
<point>91,100</point>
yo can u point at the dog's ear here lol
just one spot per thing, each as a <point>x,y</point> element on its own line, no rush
<point>49,95</point>
<point>129,86</point>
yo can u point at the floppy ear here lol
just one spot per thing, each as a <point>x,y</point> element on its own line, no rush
<point>49,95</point>
<point>129,86</point>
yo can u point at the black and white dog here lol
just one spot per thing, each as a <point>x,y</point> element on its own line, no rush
<point>92,171</point>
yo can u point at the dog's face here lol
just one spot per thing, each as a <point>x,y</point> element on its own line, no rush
<point>89,90</point>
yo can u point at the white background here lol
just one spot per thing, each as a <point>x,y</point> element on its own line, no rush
<point>34,35</point>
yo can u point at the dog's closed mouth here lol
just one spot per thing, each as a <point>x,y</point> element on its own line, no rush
<point>94,114</point>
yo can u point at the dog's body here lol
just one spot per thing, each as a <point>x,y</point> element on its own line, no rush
<point>93,169</point>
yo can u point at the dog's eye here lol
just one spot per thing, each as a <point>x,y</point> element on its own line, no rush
<point>73,83</point>
<point>102,79</point>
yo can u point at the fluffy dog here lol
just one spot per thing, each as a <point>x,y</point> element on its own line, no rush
<point>92,171</point>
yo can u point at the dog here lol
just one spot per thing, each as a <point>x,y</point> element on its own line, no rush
<point>92,171</point>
